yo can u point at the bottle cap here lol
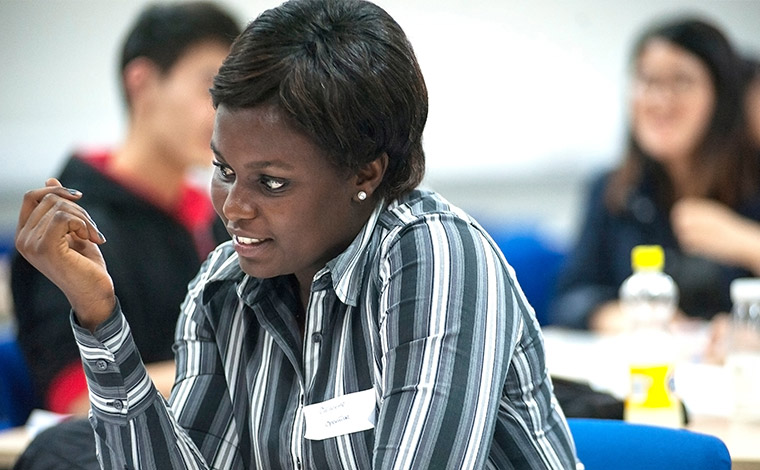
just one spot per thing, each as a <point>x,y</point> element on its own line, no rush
<point>647,257</point>
<point>745,289</point>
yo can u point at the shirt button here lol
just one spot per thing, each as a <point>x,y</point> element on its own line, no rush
<point>118,404</point>
<point>102,364</point>
<point>316,338</point>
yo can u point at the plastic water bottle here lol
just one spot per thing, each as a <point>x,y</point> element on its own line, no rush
<point>649,298</point>
<point>743,350</point>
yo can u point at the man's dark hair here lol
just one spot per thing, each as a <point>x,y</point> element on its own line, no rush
<point>162,33</point>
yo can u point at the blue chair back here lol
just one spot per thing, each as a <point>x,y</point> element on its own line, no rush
<point>17,396</point>
<point>536,262</point>
<point>618,445</point>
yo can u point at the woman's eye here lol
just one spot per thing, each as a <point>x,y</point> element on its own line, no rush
<point>272,184</point>
<point>225,171</point>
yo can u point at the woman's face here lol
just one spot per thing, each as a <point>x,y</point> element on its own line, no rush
<point>288,210</point>
<point>672,102</point>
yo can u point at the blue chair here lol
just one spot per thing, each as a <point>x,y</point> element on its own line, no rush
<point>17,396</point>
<point>536,262</point>
<point>618,445</point>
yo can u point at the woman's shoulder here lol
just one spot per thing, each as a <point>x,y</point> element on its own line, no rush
<point>419,205</point>
<point>424,213</point>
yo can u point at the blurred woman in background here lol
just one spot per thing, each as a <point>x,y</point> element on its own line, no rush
<point>689,181</point>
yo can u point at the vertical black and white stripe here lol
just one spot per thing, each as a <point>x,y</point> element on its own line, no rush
<point>422,308</point>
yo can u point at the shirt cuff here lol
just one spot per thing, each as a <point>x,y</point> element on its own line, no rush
<point>116,375</point>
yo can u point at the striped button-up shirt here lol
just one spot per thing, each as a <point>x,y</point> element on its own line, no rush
<point>421,313</point>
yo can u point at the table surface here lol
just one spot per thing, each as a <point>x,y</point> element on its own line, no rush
<point>599,360</point>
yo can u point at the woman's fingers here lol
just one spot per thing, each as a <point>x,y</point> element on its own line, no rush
<point>53,182</point>
<point>40,204</point>
<point>48,229</point>
<point>33,198</point>
<point>58,237</point>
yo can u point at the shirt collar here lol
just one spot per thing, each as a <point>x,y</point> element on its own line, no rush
<point>229,269</point>
<point>249,289</point>
<point>347,269</point>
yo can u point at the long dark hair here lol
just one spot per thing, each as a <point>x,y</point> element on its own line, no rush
<point>728,166</point>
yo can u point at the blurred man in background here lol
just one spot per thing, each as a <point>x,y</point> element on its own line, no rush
<point>142,195</point>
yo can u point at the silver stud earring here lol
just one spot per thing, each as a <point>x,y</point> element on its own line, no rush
<point>361,195</point>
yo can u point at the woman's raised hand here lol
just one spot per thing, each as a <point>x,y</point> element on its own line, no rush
<point>59,238</point>
<point>713,230</point>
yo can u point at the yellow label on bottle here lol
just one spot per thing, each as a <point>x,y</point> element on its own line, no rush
<point>651,387</point>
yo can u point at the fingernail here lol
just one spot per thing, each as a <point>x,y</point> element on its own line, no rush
<point>74,192</point>
<point>91,221</point>
<point>102,237</point>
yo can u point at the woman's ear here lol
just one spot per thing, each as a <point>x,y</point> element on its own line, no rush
<point>369,177</point>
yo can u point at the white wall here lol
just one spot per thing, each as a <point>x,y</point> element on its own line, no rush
<point>526,96</point>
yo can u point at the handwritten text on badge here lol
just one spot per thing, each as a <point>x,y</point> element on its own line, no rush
<point>349,413</point>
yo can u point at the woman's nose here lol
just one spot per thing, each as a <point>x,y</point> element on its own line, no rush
<point>239,204</point>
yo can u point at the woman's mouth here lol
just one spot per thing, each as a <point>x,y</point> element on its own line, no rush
<point>246,240</point>
<point>251,248</point>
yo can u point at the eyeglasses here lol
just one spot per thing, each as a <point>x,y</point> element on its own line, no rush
<point>679,84</point>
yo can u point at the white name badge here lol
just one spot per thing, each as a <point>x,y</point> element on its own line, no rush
<point>349,413</point>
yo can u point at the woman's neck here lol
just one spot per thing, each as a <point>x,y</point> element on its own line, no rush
<point>685,178</point>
